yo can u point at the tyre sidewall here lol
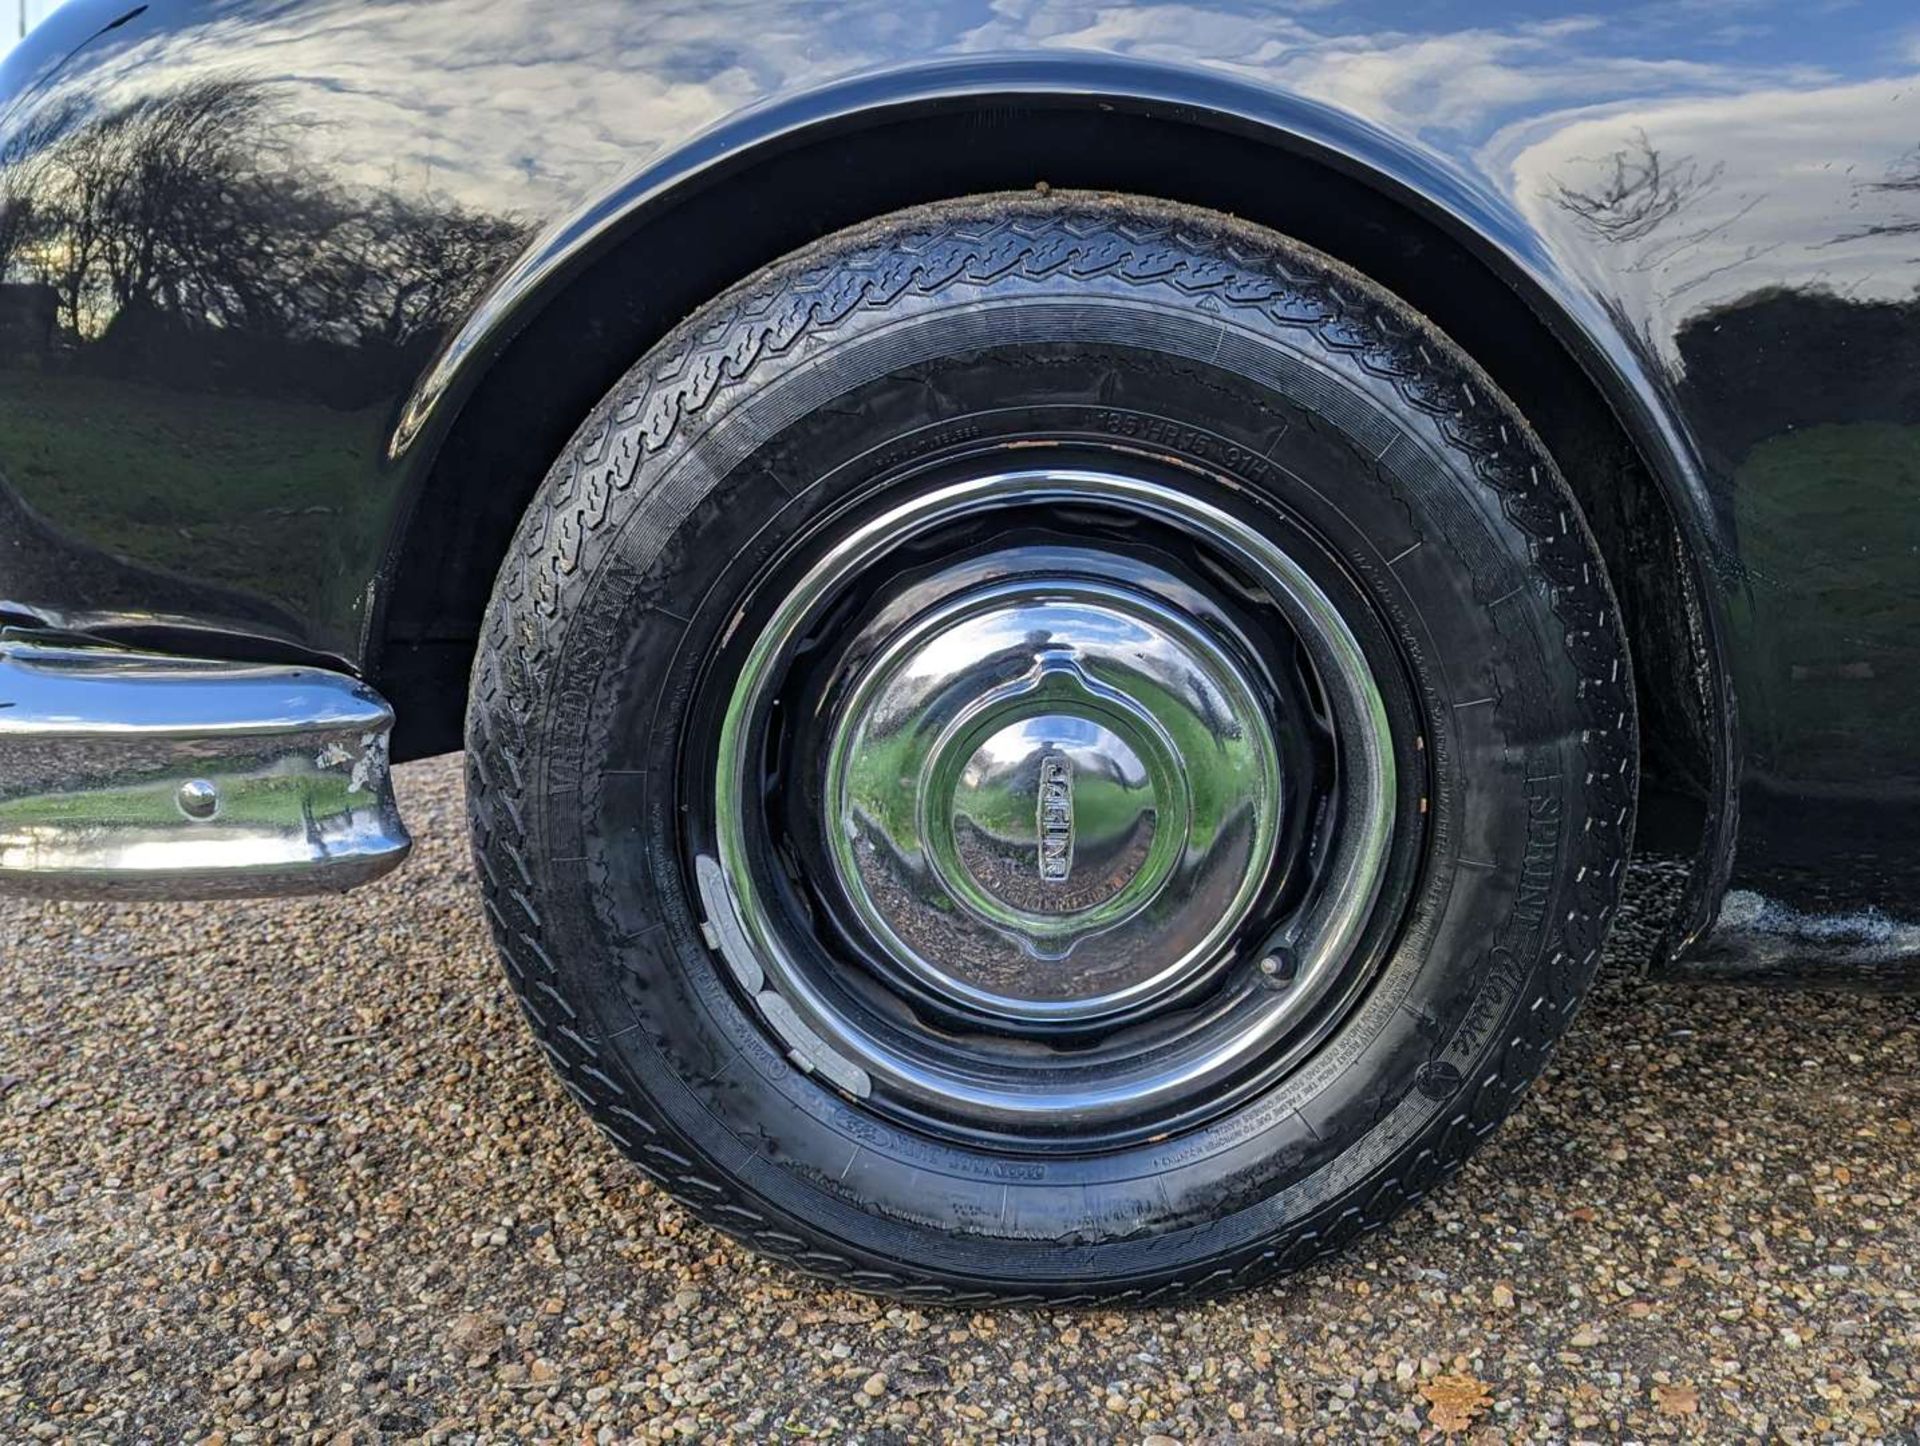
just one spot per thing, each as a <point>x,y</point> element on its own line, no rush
<point>630,591</point>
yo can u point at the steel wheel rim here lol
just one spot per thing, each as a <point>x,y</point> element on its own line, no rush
<point>1301,969</point>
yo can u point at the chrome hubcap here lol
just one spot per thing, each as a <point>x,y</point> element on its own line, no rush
<point>1053,798</point>
<point>1048,784</point>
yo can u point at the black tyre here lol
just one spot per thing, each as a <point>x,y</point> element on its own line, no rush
<point>1051,747</point>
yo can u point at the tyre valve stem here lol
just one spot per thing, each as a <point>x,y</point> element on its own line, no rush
<point>1277,968</point>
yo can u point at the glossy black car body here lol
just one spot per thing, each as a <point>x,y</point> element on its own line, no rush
<point>299,300</point>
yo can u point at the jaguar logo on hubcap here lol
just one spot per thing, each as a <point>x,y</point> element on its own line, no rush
<point>1056,818</point>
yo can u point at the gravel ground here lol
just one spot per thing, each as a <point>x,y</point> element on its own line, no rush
<point>274,1172</point>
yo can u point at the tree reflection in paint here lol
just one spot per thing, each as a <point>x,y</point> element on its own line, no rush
<point>195,207</point>
<point>1803,400</point>
<point>253,316</point>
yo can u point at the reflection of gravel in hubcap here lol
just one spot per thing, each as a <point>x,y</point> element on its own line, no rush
<point>1052,798</point>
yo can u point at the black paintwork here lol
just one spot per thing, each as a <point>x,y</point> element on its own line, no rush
<point>258,257</point>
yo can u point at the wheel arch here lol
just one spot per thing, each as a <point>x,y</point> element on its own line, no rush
<point>600,285</point>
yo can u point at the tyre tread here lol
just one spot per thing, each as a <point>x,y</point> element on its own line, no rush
<point>977,241</point>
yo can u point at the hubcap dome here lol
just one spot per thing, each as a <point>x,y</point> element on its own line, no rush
<point>1053,817</point>
<point>1040,764</point>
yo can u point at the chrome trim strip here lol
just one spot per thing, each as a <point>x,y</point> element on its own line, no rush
<point>133,775</point>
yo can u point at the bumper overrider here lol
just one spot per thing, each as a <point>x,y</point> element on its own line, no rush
<point>145,776</point>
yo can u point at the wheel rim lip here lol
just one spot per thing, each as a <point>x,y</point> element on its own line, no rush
<point>1173,859</point>
<point>819,1035</point>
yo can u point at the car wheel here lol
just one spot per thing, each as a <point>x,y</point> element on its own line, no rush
<point>1054,747</point>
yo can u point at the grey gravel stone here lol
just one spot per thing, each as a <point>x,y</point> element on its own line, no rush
<point>296,1172</point>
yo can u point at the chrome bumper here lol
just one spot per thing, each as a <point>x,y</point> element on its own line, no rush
<point>136,775</point>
